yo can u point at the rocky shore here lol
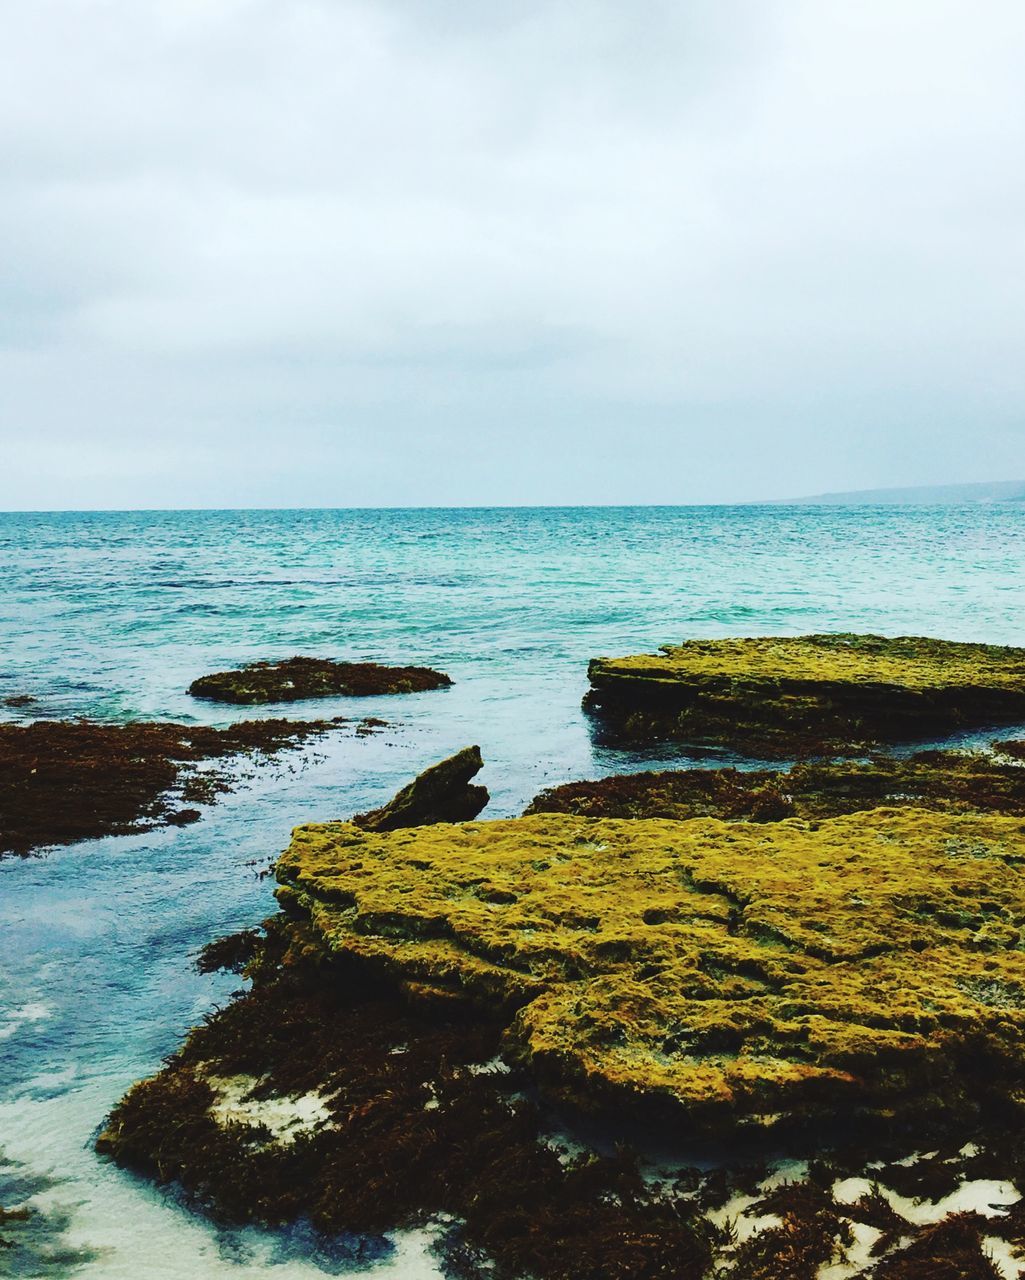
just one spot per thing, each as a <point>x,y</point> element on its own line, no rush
<point>298,678</point>
<point>62,781</point>
<point>435,1008</point>
<point>820,694</point>
<point>724,975</point>
<point>984,781</point>
<point>811,979</point>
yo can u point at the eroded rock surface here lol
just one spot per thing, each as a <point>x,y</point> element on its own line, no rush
<point>297,678</point>
<point>782,696</point>
<point>961,781</point>
<point>430,995</point>
<point>442,793</point>
<point>866,966</point>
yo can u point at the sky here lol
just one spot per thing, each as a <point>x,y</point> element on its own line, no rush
<point>394,253</point>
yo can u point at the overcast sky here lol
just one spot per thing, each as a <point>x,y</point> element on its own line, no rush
<point>418,252</point>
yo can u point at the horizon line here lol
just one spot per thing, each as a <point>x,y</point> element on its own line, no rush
<point>813,501</point>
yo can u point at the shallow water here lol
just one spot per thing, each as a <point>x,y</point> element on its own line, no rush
<point>112,615</point>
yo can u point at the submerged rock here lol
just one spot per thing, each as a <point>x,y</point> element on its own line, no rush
<point>869,966</point>
<point>442,793</point>
<point>963,781</point>
<point>295,678</point>
<point>230,954</point>
<point>62,781</point>
<point>780,696</point>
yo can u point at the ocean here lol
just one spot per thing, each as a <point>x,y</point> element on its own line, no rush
<point>112,615</point>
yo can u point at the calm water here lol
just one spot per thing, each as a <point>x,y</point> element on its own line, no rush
<point>112,615</point>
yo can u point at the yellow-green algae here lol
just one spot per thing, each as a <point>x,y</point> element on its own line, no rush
<point>868,964</point>
<point>910,661</point>
<point>783,693</point>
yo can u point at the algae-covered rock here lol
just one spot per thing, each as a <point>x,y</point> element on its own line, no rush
<point>442,793</point>
<point>297,678</point>
<point>320,1096</point>
<point>62,781</point>
<point>382,1071</point>
<point>962,781</point>
<point>793,695</point>
<point>869,965</point>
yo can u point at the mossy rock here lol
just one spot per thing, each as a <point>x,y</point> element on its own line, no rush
<point>382,1069</point>
<point>870,965</point>
<point>297,678</point>
<point>319,1095</point>
<point>782,696</point>
<point>960,781</point>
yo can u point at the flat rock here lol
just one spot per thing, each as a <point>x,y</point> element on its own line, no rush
<point>442,793</point>
<point>780,696</point>
<point>963,781</point>
<point>62,781</point>
<point>868,966</point>
<point>297,678</point>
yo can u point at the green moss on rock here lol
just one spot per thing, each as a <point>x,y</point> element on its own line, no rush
<point>298,678</point>
<point>383,1070</point>
<point>793,695</point>
<point>363,1113</point>
<point>870,965</point>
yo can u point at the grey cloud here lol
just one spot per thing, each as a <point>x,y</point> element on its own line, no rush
<point>775,245</point>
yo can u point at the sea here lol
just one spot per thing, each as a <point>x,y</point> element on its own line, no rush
<point>111,615</point>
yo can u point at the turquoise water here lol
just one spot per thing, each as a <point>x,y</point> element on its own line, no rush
<point>112,615</point>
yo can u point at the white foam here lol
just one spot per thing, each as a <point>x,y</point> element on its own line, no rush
<point>22,1015</point>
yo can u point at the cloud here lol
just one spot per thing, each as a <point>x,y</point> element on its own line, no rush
<point>579,252</point>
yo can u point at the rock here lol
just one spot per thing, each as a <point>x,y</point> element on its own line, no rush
<point>320,1097</point>
<point>297,678</point>
<point>62,781</point>
<point>431,997</point>
<point>963,781</point>
<point>231,953</point>
<point>777,975</point>
<point>787,696</point>
<point>442,793</point>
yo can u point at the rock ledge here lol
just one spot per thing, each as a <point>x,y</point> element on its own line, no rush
<point>781,696</point>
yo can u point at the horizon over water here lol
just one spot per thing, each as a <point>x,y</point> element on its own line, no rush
<point>111,615</point>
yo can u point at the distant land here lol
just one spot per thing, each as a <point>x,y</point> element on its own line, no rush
<point>946,494</point>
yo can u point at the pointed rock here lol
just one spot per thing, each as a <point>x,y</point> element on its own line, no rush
<point>442,793</point>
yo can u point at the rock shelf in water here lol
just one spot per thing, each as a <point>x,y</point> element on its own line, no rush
<point>296,678</point>
<point>961,781</point>
<point>783,696</point>
<point>62,781</point>
<point>383,1070</point>
<point>864,967</point>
